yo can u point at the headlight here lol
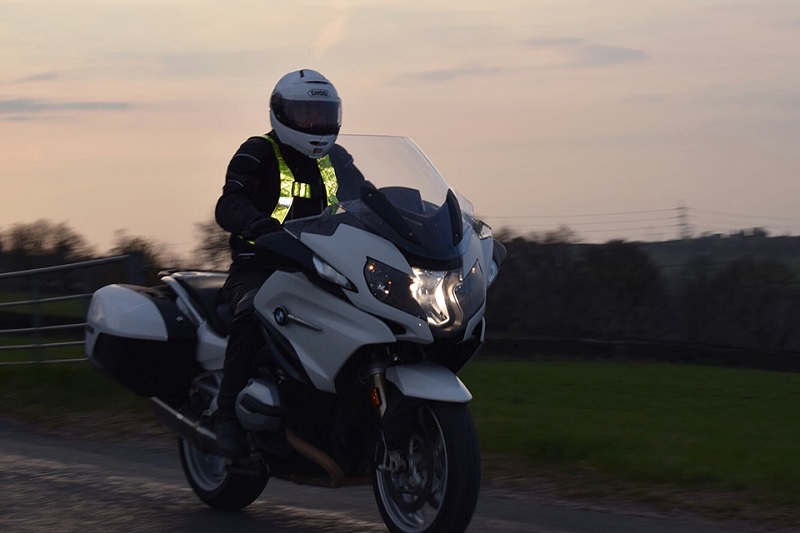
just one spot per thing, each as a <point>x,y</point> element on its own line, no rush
<point>430,290</point>
<point>391,287</point>
<point>329,273</point>
<point>444,298</point>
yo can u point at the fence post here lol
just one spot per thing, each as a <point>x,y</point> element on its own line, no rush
<point>37,319</point>
<point>135,267</point>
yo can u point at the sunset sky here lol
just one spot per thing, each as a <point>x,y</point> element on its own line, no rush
<point>604,116</point>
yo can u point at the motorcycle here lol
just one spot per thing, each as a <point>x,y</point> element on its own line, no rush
<point>374,307</point>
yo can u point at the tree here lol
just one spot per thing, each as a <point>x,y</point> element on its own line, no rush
<point>561,235</point>
<point>624,291</point>
<point>43,238</point>
<point>42,243</point>
<point>155,255</point>
<point>214,250</point>
<point>760,303</point>
<point>699,314</point>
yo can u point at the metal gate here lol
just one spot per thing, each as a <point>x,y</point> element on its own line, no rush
<point>37,297</point>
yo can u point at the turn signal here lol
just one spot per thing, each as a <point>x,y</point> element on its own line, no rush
<point>375,394</point>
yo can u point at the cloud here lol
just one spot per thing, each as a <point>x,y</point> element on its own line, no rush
<point>19,107</point>
<point>442,75</point>
<point>196,65</point>
<point>553,42</point>
<point>774,99</point>
<point>589,55</point>
<point>646,98</point>
<point>768,101</point>
<point>605,56</point>
<point>43,76</point>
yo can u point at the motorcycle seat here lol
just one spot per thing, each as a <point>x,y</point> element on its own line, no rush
<point>205,292</point>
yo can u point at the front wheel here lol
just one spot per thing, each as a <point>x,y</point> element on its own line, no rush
<point>431,484</point>
<point>214,484</point>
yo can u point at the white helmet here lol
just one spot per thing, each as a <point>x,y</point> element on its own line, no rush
<point>306,112</point>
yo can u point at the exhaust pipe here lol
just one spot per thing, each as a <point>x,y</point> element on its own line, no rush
<point>334,471</point>
<point>336,477</point>
<point>185,425</point>
<point>205,440</point>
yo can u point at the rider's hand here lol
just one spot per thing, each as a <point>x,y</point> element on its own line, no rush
<point>263,225</point>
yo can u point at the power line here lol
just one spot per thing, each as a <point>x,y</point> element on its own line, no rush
<point>543,224</point>
<point>532,222</point>
<point>740,215</point>
<point>646,228</point>
<point>584,214</point>
<point>686,222</point>
<point>722,222</point>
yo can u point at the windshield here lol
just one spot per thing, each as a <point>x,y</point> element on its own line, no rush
<point>388,186</point>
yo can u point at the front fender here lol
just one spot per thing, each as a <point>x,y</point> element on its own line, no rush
<point>428,382</point>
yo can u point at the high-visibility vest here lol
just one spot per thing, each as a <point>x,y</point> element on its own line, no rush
<point>291,189</point>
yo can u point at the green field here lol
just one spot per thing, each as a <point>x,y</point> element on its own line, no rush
<point>713,440</point>
<point>47,392</point>
<point>665,434</point>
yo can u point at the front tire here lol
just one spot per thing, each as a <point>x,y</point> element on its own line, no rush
<point>211,481</point>
<point>432,485</point>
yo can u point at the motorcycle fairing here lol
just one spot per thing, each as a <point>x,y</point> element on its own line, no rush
<point>347,251</point>
<point>323,330</point>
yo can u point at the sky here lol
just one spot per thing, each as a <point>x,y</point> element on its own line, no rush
<point>620,119</point>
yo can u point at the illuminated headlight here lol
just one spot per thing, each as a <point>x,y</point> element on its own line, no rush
<point>445,298</point>
<point>430,289</point>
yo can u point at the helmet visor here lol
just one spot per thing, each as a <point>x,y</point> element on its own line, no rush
<point>313,117</point>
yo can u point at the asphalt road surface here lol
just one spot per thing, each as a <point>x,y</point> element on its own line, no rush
<point>67,485</point>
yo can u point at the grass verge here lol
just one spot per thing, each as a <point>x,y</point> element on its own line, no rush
<point>38,392</point>
<point>718,441</point>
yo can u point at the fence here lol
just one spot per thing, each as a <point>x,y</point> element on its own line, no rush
<point>38,297</point>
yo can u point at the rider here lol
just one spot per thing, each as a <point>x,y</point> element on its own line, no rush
<point>293,171</point>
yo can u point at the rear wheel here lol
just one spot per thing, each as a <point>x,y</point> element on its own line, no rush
<point>431,484</point>
<point>214,484</point>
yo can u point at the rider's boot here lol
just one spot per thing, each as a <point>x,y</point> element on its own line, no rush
<point>231,437</point>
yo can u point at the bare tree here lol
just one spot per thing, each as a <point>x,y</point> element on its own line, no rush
<point>45,238</point>
<point>155,255</point>
<point>213,250</point>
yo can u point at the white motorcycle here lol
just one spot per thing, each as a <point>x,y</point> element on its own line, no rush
<point>374,307</point>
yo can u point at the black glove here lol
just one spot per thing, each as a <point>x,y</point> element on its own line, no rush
<point>262,226</point>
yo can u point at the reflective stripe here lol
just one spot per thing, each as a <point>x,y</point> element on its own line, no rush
<point>301,190</point>
<point>328,179</point>
<point>291,189</point>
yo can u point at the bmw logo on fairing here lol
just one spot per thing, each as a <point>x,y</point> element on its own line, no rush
<point>281,316</point>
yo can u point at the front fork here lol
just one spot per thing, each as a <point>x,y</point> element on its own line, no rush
<point>377,372</point>
<point>393,460</point>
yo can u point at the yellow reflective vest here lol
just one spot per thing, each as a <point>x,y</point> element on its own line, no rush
<point>291,189</point>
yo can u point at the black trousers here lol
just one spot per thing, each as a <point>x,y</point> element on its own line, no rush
<point>245,339</point>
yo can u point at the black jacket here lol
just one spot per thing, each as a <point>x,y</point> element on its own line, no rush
<point>252,186</point>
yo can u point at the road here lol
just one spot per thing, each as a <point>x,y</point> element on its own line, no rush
<point>68,485</point>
